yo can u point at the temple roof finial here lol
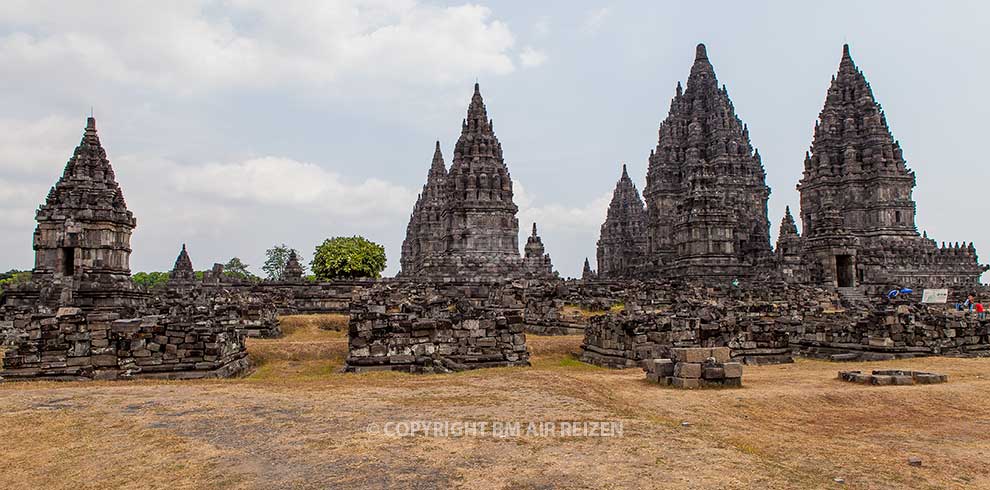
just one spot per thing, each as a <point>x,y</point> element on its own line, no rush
<point>534,228</point>
<point>700,53</point>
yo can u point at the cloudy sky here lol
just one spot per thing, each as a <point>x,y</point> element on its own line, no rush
<point>237,124</point>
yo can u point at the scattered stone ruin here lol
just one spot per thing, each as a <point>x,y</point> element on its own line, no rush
<point>771,323</point>
<point>429,328</point>
<point>81,316</point>
<point>695,368</point>
<point>893,377</point>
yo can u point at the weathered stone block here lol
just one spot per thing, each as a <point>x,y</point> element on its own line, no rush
<point>732,369</point>
<point>688,383</point>
<point>687,370</point>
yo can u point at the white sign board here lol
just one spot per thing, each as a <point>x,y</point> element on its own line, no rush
<point>935,296</point>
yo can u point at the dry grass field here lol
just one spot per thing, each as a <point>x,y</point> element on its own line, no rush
<point>298,423</point>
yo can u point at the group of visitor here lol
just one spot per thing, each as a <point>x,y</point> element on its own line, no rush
<point>972,306</point>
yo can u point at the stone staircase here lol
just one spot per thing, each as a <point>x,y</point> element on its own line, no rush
<point>852,295</point>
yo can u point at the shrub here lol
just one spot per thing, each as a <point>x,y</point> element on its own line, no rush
<point>348,257</point>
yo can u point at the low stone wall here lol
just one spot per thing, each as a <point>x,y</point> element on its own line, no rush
<point>253,312</point>
<point>73,345</point>
<point>893,332</point>
<point>439,327</point>
<point>769,324</point>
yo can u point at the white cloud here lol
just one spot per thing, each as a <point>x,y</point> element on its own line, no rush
<point>532,57</point>
<point>284,181</point>
<point>594,19</point>
<point>187,47</point>
<point>32,147</point>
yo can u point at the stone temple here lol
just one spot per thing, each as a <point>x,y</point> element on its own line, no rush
<point>706,192</point>
<point>464,223</point>
<point>856,206</point>
<point>622,246</point>
<point>706,200</point>
<point>82,242</point>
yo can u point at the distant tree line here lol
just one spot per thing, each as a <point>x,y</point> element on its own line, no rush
<point>335,258</point>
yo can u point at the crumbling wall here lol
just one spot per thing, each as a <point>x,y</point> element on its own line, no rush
<point>69,344</point>
<point>772,322</point>
<point>437,327</point>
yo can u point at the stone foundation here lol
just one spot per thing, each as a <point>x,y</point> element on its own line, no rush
<point>428,328</point>
<point>770,324</point>
<point>893,377</point>
<point>73,345</point>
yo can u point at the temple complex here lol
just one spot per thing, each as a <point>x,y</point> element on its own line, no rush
<point>623,241</point>
<point>464,223</point>
<point>856,205</point>
<point>706,191</point>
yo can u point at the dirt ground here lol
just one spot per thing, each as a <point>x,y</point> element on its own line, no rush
<point>298,423</point>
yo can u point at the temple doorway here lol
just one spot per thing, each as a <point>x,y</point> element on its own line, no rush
<point>68,261</point>
<point>844,273</point>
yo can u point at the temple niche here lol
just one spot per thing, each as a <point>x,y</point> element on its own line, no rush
<point>857,210</point>
<point>464,223</point>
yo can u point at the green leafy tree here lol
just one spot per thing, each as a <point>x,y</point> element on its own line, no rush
<point>12,277</point>
<point>150,279</point>
<point>275,260</point>
<point>237,269</point>
<point>348,257</point>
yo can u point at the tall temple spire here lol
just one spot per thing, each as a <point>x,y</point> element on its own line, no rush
<point>706,189</point>
<point>787,224</point>
<point>622,240</point>
<point>852,145</point>
<point>464,223</point>
<point>424,228</point>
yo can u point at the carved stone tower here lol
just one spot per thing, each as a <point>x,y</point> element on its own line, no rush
<point>623,239</point>
<point>183,269</point>
<point>425,229</point>
<point>856,204</point>
<point>479,231</point>
<point>84,227</point>
<point>535,260</point>
<point>706,189</point>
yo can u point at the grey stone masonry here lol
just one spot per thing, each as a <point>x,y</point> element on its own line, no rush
<point>857,210</point>
<point>536,261</point>
<point>426,328</point>
<point>695,368</point>
<point>424,233</point>
<point>477,234</point>
<point>706,192</point>
<point>623,238</point>
<point>84,226</point>
<point>183,269</point>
